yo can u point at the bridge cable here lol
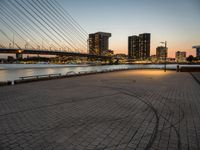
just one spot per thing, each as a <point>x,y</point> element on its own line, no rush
<point>70,17</point>
<point>26,22</point>
<point>9,38</point>
<point>66,18</point>
<point>53,22</point>
<point>11,29</point>
<point>19,26</point>
<point>62,22</point>
<point>35,23</point>
<point>47,22</point>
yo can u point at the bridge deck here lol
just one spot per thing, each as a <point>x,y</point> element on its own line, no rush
<point>50,52</point>
<point>113,111</point>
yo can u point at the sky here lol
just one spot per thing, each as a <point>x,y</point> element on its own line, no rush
<point>174,21</point>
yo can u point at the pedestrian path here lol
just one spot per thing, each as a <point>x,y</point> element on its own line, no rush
<point>138,109</point>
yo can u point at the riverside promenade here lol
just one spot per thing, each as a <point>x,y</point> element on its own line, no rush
<point>126,110</point>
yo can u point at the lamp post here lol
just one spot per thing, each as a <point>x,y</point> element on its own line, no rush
<point>13,40</point>
<point>165,66</point>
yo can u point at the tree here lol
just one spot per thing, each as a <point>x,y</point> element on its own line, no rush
<point>190,58</point>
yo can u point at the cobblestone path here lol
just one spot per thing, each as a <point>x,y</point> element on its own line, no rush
<point>127,110</point>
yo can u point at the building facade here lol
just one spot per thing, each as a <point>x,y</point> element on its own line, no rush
<point>133,47</point>
<point>180,56</point>
<point>161,53</point>
<point>139,46</point>
<point>198,52</point>
<point>99,43</point>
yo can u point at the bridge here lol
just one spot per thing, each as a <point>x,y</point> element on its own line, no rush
<point>41,27</point>
<point>19,52</point>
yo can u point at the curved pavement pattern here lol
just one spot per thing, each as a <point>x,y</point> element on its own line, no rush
<point>127,110</point>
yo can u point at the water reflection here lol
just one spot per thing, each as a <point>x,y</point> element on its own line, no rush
<point>13,71</point>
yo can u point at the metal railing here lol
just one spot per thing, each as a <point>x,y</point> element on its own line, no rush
<point>40,76</point>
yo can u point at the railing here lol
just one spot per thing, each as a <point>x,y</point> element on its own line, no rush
<point>71,73</point>
<point>40,76</point>
<point>37,78</point>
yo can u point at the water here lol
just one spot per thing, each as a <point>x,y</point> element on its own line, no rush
<point>11,72</point>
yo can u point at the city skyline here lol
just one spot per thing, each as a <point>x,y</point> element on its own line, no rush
<point>174,21</point>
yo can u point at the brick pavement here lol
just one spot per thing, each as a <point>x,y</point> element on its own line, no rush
<point>141,109</point>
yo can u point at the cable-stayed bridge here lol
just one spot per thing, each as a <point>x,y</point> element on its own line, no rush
<point>40,27</point>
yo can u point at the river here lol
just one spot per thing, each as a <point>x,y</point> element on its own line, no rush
<point>11,72</point>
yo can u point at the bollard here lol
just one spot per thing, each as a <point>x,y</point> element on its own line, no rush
<point>177,69</point>
<point>9,82</point>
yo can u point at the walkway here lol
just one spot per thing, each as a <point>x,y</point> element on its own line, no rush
<point>141,109</point>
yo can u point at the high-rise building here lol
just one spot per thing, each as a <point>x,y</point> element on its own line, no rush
<point>91,43</point>
<point>99,43</point>
<point>161,53</point>
<point>133,47</point>
<point>180,56</point>
<point>139,46</point>
<point>144,45</point>
<point>197,51</point>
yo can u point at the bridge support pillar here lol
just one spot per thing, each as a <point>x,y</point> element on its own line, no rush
<point>19,56</point>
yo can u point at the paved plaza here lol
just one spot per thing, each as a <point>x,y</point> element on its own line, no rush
<point>126,110</point>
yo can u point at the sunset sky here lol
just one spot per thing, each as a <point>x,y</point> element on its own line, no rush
<point>176,21</point>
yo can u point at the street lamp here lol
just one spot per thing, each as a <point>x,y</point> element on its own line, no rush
<point>165,55</point>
